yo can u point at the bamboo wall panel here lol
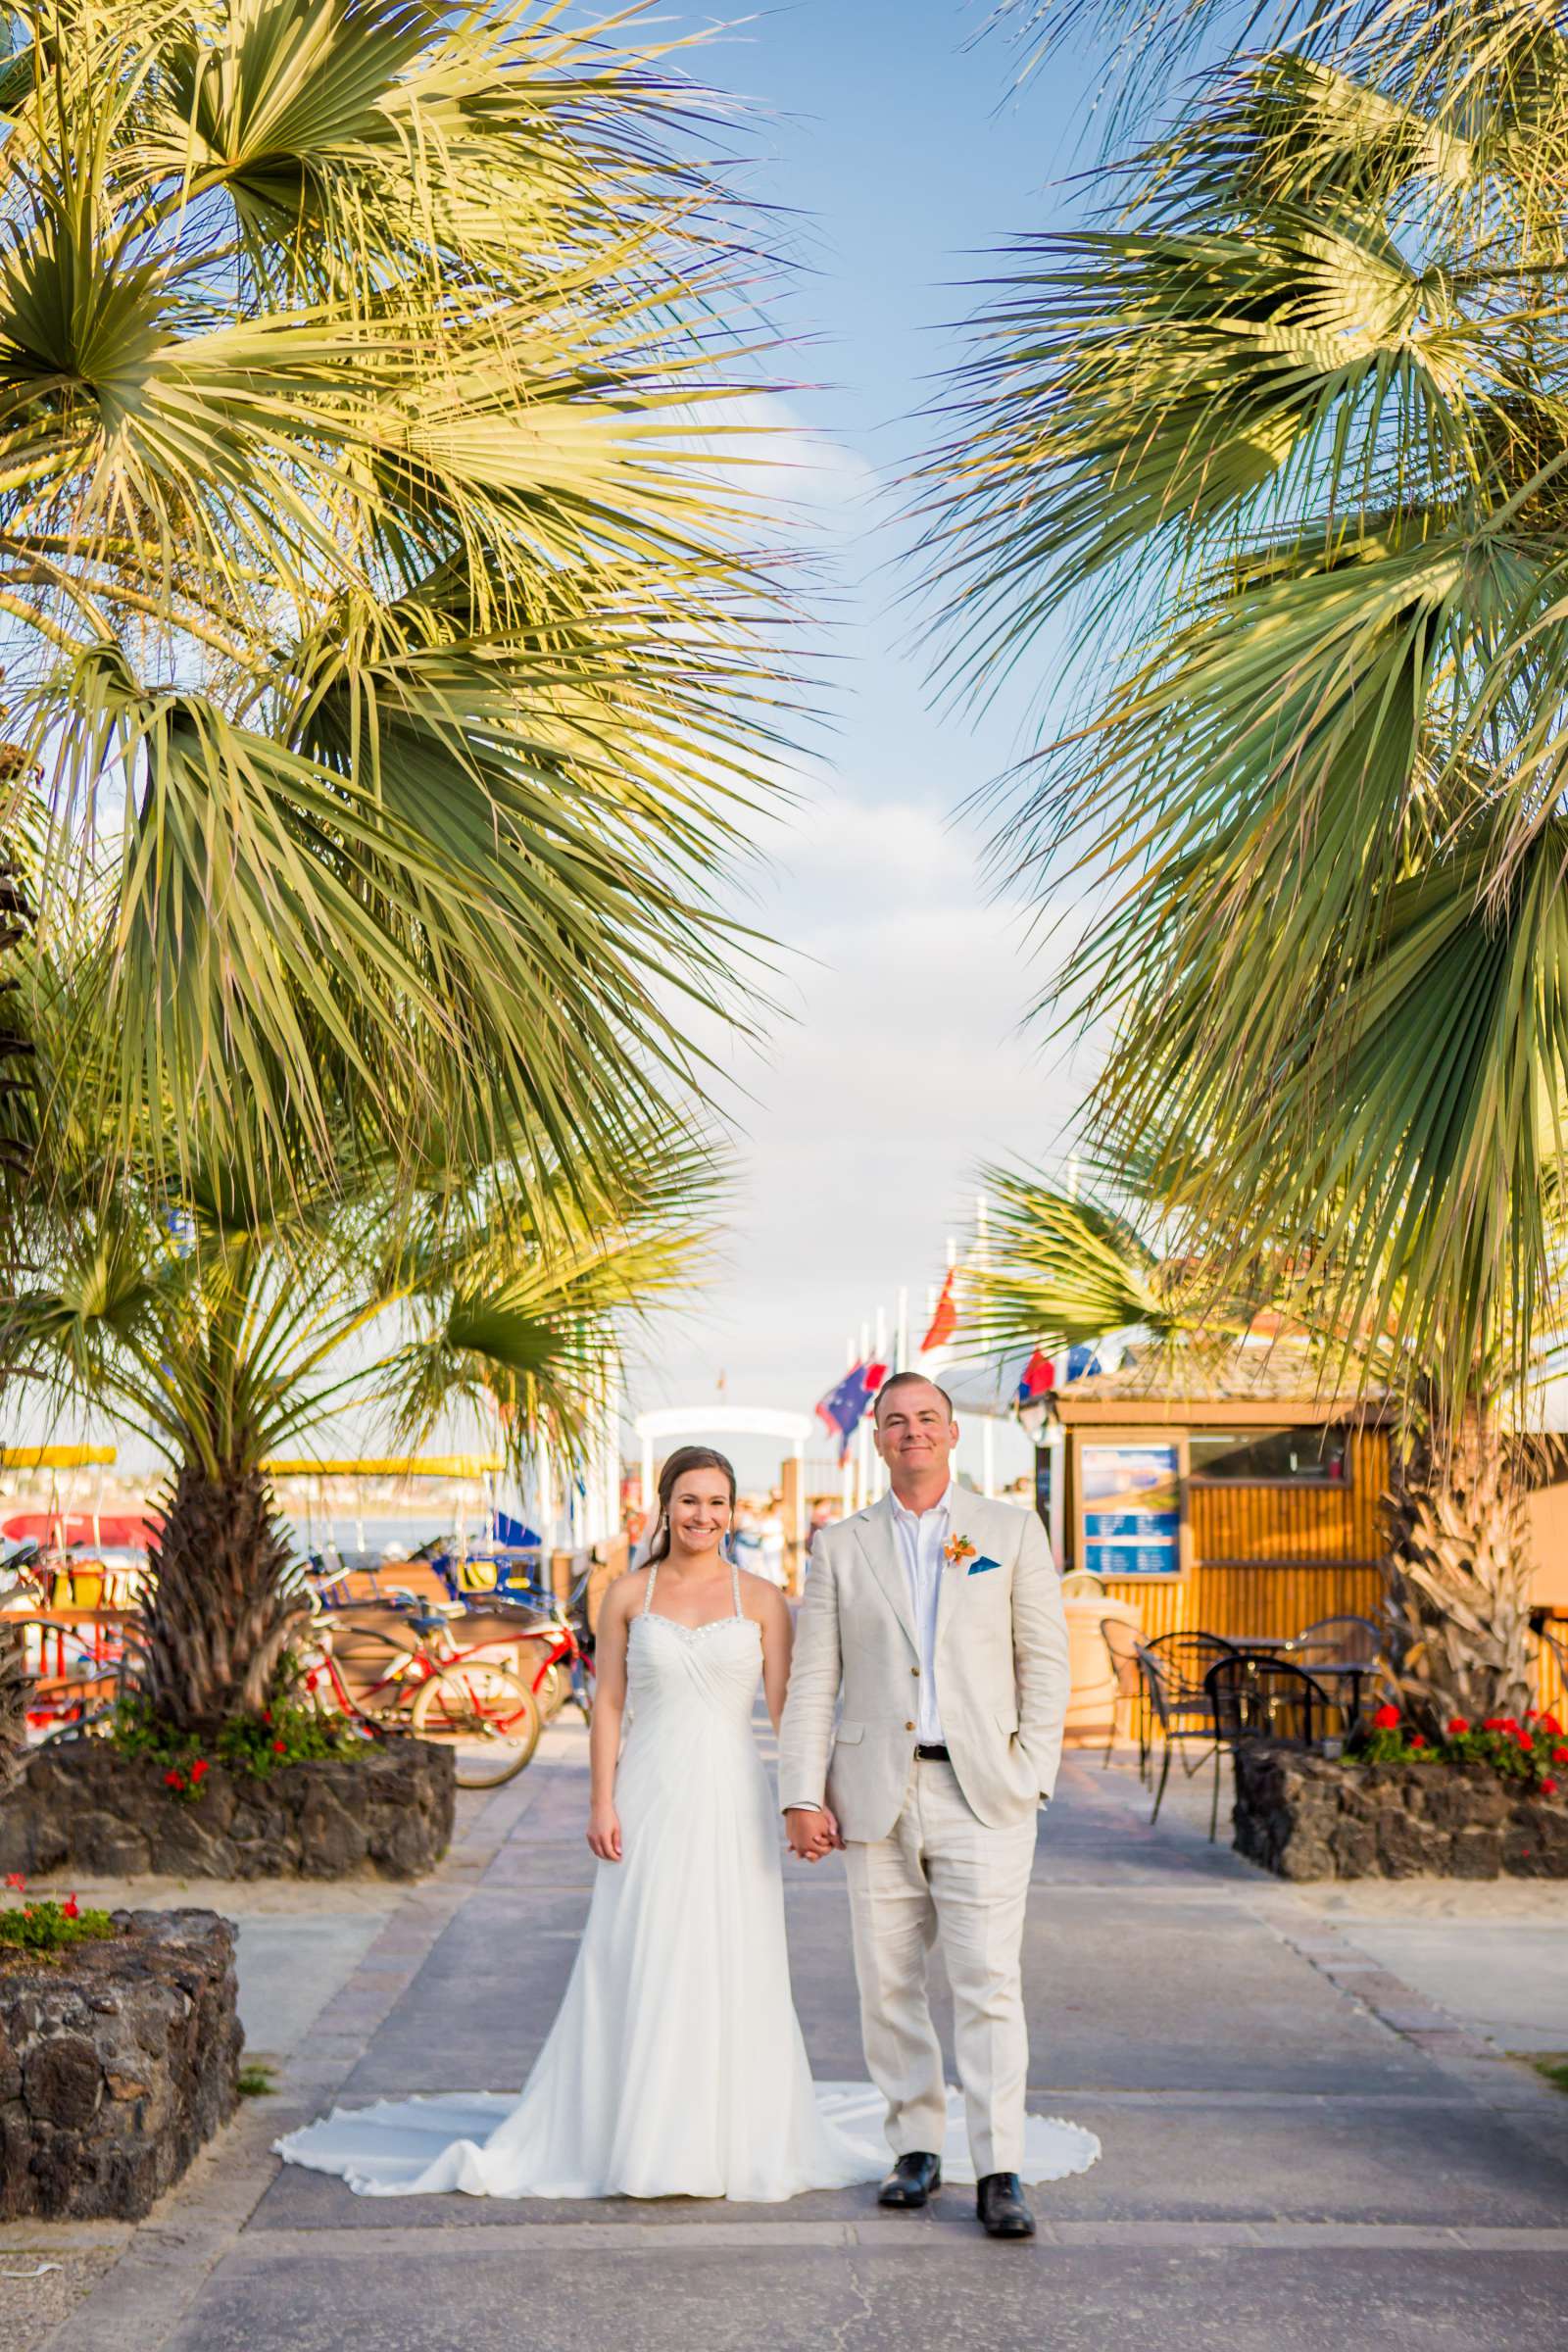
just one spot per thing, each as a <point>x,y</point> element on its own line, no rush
<point>1275,1559</point>
<point>1266,1599</point>
<point>1236,1524</point>
<point>1272,1560</point>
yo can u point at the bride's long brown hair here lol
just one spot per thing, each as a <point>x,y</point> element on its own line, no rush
<point>686,1458</point>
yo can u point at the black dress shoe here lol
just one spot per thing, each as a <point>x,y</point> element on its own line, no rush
<point>998,2203</point>
<point>911,2182</point>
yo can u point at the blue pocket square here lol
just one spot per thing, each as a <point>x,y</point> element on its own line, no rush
<point>979,1567</point>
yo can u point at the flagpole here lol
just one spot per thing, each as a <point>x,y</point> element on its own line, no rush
<point>988,1426</point>
<point>863,1435</point>
<point>847,1466</point>
<point>879,1469</point>
<point>901,1341</point>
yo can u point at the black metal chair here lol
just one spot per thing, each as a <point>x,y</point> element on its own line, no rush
<point>1121,1644</point>
<point>1342,1641</point>
<point>1265,1699</point>
<point>1350,1637</point>
<point>1174,1667</point>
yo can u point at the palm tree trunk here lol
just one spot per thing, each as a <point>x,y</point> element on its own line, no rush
<point>1459,1576</point>
<point>219,1619</point>
<point>15,1687</point>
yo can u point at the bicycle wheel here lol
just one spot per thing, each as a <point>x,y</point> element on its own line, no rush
<point>486,1712</point>
<point>550,1689</point>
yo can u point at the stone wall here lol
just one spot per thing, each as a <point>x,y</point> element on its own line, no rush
<point>1306,1816</point>
<point>385,1811</point>
<point>118,2059</point>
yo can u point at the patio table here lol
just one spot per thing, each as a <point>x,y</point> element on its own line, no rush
<point>1353,1671</point>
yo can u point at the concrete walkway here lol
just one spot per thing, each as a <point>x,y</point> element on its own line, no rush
<point>1302,2145</point>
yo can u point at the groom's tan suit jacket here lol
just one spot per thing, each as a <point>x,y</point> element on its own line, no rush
<point>1001,1669</point>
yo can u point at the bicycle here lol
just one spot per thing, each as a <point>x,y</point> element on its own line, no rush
<point>74,1664</point>
<point>379,1673</point>
<point>565,1669</point>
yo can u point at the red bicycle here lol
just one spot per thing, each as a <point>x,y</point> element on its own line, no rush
<point>379,1665</point>
<point>544,1639</point>
<point>561,1665</point>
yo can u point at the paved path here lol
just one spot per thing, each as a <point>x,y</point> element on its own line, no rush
<point>1298,2149</point>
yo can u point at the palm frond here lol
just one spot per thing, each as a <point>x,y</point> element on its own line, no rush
<point>1291,435</point>
<point>407,666</point>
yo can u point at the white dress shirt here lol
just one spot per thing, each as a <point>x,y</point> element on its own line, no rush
<point>921,1537</point>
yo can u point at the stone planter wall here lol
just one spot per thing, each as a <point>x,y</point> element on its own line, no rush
<point>386,1811</point>
<point>1305,1816</point>
<point>118,2059</point>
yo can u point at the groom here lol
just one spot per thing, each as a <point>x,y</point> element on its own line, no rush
<point>937,1616</point>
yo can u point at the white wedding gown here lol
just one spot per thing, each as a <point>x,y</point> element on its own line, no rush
<point>676,2064</point>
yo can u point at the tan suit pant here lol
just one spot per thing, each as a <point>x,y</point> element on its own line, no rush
<point>942,1874</point>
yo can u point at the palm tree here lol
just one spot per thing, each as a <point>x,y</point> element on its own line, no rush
<point>1061,1267</point>
<point>18,1103</point>
<point>1294,425</point>
<point>403,1291</point>
<point>1288,434</point>
<point>400,662</point>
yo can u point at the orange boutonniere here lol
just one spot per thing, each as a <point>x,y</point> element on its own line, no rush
<point>956,1549</point>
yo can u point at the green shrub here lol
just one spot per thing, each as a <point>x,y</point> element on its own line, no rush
<point>45,1927</point>
<point>255,1745</point>
<point>1535,1750</point>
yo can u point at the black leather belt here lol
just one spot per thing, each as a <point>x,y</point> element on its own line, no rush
<point>934,1754</point>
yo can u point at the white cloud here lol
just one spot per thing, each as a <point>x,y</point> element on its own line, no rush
<point>902,1068</point>
<point>774,455</point>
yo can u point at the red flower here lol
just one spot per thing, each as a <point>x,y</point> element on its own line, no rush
<point>1531,1713</point>
<point>1457,1727</point>
<point>200,1767</point>
<point>1549,1723</point>
<point>70,1908</point>
<point>1559,1755</point>
<point>1417,1740</point>
<point>267,1714</point>
<point>16,1879</point>
<point>1549,1787</point>
<point>1526,1740</point>
<point>1386,1718</point>
<point>280,1748</point>
<point>173,1778</point>
<point>1497,1723</point>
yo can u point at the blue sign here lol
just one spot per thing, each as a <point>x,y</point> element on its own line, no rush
<point>1132,1509</point>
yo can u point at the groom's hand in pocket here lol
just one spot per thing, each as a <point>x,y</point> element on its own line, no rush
<point>811,1830</point>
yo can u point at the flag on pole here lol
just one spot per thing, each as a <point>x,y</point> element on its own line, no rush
<point>944,1319</point>
<point>843,1408</point>
<point>1082,1362</point>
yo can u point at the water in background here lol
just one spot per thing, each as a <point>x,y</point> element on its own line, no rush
<point>410,1528</point>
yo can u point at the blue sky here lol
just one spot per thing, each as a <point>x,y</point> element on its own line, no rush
<point>900,153</point>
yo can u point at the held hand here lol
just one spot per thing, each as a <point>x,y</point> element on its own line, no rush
<point>604,1833</point>
<point>812,1831</point>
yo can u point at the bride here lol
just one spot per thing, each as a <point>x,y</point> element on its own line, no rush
<point>676,2064</point>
